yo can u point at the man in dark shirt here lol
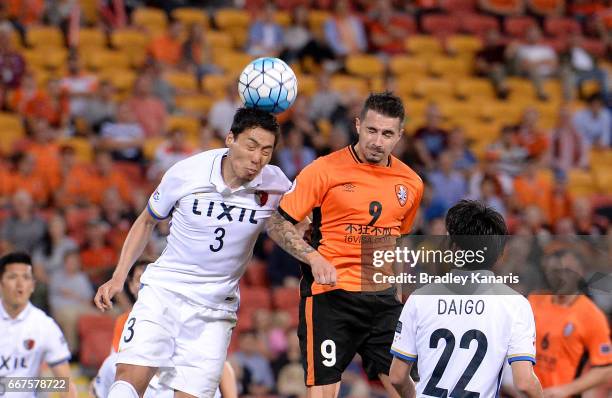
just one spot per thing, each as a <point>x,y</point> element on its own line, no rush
<point>491,62</point>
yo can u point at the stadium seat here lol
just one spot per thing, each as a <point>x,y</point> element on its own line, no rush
<point>121,78</point>
<point>129,38</point>
<point>433,89</point>
<point>518,26</point>
<point>440,24</point>
<point>501,112</point>
<point>367,66</point>
<point>458,6</point>
<point>463,45</point>
<point>255,298</point>
<point>283,18</point>
<point>11,122</point>
<point>316,21</point>
<point>581,183</point>
<point>403,64</point>
<point>190,16</point>
<point>96,337</point>
<point>450,66</point>
<point>91,37</point>
<point>150,147</point>
<point>189,124</point>
<point>307,85</point>
<point>286,298</point>
<point>239,35</point>
<point>197,103</point>
<point>478,24</point>
<point>561,26</point>
<point>520,88</point>
<point>474,88</point>
<point>256,274</point>
<point>345,84</point>
<point>603,178</point>
<point>454,110</point>
<point>594,46</point>
<point>82,148</point>
<point>601,159</point>
<point>227,18</point>
<point>181,81</point>
<point>218,40</point>
<point>151,18</point>
<point>215,85</point>
<point>106,59</point>
<point>233,62</point>
<point>406,85</point>
<point>44,36</point>
<point>89,10</point>
<point>423,44</point>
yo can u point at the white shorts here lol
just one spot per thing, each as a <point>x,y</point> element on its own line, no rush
<point>186,341</point>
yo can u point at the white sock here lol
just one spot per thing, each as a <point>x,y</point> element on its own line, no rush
<point>122,389</point>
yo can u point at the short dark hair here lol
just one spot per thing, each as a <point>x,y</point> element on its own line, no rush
<point>14,258</point>
<point>248,118</point>
<point>130,278</point>
<point>595,97</point>
<point>472,226</point>
<point>385,103</point>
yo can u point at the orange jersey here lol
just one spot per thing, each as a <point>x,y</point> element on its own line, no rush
<point>118,329</point>
<point>564,334</point>
<point>351,202</point>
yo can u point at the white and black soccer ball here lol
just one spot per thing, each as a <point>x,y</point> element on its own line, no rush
<point>268,84</point>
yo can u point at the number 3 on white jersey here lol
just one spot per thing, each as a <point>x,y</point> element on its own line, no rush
<point>328,350</point>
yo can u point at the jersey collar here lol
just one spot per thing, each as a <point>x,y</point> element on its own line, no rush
<point>216,178</point>
<point>20,317</point>
<point>355,157</point>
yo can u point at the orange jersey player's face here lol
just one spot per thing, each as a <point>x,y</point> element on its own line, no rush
<point>378,135</point>
<point>249,152</point>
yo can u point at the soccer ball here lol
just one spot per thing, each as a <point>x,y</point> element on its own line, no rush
<point>268,84</point>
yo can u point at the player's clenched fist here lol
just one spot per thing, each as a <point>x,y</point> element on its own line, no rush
<point>106,292</point>
<point>323,272</point>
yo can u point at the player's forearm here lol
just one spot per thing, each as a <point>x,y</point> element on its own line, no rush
<point>531,387</point>
<point>134,245</point>
<point>287,236</point>
<point>406,389</point>
<point>592,378</point>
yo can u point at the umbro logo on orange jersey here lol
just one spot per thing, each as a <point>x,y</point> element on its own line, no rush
<point>348,187</point>
<point>402,194</point>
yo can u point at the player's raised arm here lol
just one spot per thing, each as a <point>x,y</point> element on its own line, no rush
<point>525,380</point>
<point>133,247</point>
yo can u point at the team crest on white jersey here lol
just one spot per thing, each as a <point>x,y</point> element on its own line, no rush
<point>28,344</point>
<point>261,197</point>
<point>402,194</point>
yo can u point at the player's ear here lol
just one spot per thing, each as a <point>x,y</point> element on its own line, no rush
<point>229,139</point>
<point>357,124</point>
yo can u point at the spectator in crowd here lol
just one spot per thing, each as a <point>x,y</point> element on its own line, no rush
<point>594,123</point>
<point>265,34</point>
<point>561,203</point>
<point>585,219</point>
<point>26,178</point>
<point>344,31</point>
<point>167,48</point>
<point>26,12</point>
<point>12,64</point>
<point>464,159</point>
<point>222,112</point>
<point>149,110</point>
<point>174,148</point>
<point>546,8</point>
<point>104,177</point>
<point>290,380</point>
<point>71,296</point>
<point>160,87</point>
<point>530,136</point>
<point>535,60</point>
<point>72,180</point>
<point>27,97</point>
<point>387,29</point>
<point>23,230</point>
<point>490,195</point>
<point>579,66</point>
<point>531,187</point>
<point>294,155</point>
<point>48,259</point>
<point>97,255</point>
<point>431,139</point>
<point>300,44</point>
<point>567,149</point>
<point>197,53</point>
<point>490,61</point>
<point>507,155</point>
<point>101,107</point>
<point>502,8</point>
<point>448,185</point>
<point>56,105</point>
<point>79,86</point>
<point>257,377</point>
<point>43,146</point>
<point>325,100</point>
<point>123,137</point>
<point>118,215</point>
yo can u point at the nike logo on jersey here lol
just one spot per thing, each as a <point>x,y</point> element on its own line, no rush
<point>221,210</point>
<point>6,362</point>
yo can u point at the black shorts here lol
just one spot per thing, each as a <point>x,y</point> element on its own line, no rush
<point>336,325</point>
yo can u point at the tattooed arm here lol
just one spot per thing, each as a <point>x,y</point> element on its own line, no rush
<point>289,238</point>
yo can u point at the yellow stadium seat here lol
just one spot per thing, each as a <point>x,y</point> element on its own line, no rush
<point>129,38</point>
<point>433,89</point>
<point>470,88</point>
<point>316,20</point>
<point>406,86</point>
<point>283,18</point>
<point>183,81</point>
<point>215,85</point>
<point>459,109</point>
<point>233,62</point>
<point>82,147</point>
<point>449,67</point>
<point>89,9</point>
<point>54,58</point>
<point>151,18</point>
<point>189,124</point>
<point>33,58</point>
<point>45,36</point>
<point>307,85</point>
<point>121,79</point>
<point>11,130</point>
<point>423,44</point>
<point>150,147</point>
<point>106,59</point>
<point>463,44</point>
<point>195,103</point>
<point>364,65</point>
<point>507,113</point>
<point>91,37</point>
<point>15,40</point>
<point>344,84</point>
<point>415,108</point>
<point>231,18</point>
<point>601,159</point>
<point>581,183</point>
<point>520,88</point>
<point>239,35</point>
<point>403,64</point>
<point>190,16</point>
<point>219,40</point>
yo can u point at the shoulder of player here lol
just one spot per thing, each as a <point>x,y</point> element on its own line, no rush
<point>588,309</point>
<point>274,178</point>
<point>195,164</point>
<point>406,171</point>
<point>41,319</point>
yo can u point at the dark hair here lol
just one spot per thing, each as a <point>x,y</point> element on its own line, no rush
<point>14,258</point>
<point>595,97</point>
<point>248,118</point>
<point>473,226</point>
<point>385,103</point>
<point>130,278</point>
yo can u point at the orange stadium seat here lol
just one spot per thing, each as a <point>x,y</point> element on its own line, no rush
<point>255,297</point>
<point>153,19</point>
<point>257,274</point>
<point>501,112</point>
<point>44,36</point>
<point>190,16</point>
<point>520,88</point>
<point>286,298</point>
<point>423,44</point>
<point>459,109</point>
<point>403,64</point>
<point>458,6</point>
<point>603,178</point>
<point>11,131</point>
<point>518,26</point>
<point>363,65</point>
<point>561,26</point>
<point>96,336</point>
<point>478,24</point>
<point>440,24</point>
<point>227,18</point>
<point>406,85</point>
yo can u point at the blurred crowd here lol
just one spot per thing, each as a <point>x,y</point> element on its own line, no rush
<point>89,148</point>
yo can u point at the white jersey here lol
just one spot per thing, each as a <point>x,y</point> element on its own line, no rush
<point>213,228</point>
<point>461,342</point>
<point>27,341</point>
